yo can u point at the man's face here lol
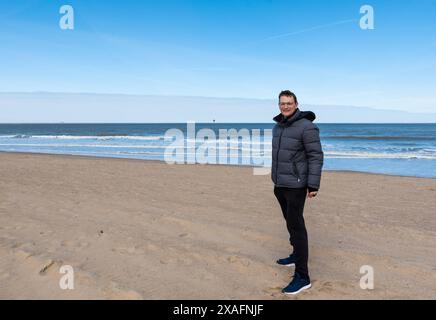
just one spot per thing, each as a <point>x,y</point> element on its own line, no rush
<point>287,105</point>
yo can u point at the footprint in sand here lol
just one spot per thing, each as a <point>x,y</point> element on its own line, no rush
<point>170,259</point>
<point>128,250</point>
<point>325,286</point>
<point>273,290</point>
<point>113,291</point>
<point>184,261</point>
<point>22,254</point>
<point>75,244</point>
<point>136,250</point>
<point>42,265</point>
<point>238,261</point>
<point>276,293</point>
<point>329,287</point>
<point>166,261</point>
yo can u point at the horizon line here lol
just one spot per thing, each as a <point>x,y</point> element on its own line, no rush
<point>68,123</point>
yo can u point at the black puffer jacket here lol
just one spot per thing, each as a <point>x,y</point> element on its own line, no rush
<point>297,156</point>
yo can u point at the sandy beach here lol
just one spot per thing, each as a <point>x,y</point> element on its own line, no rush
<point>135,229</point>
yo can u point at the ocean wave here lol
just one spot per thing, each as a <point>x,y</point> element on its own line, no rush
<point>382,138</point>
<point>72,137</point>
<point>139,138</point>
<point>135,138</point>
<point>430,150</point>
<point>186,154</point>
<point>232,141</point>
<point>20,136</point>
<point>53,145</point>
<point>369,155</point>
<point>377,149</point>
<point>108,146</point>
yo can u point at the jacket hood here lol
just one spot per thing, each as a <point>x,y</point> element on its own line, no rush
<point>309,115</point>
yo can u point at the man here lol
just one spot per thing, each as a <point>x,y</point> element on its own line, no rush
<point>297,160</point>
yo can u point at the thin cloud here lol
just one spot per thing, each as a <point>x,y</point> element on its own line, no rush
<point>288,34</point>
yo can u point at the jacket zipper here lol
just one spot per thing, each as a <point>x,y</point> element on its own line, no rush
<point>296,171</point>
<point>277,156</point>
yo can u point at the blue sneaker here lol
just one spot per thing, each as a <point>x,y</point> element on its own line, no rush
<point>289,261</point>
<point>297,285</point>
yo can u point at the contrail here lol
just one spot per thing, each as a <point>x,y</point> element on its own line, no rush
<point>284,35</point>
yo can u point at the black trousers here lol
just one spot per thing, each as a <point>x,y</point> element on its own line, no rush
<point>292,204</point>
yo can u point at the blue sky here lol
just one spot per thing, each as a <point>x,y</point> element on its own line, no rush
<point>239,48</point>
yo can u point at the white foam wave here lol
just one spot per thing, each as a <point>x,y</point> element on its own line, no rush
<point>71,137</point>
<point>369,155</point>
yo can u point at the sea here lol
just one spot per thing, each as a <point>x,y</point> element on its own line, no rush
<point>393,149</point>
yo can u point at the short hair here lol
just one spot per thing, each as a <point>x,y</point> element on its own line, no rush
<point>287,93</point>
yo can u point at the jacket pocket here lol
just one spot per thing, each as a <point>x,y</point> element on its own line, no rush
<point>296,172</point>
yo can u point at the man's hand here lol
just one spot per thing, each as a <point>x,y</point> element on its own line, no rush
<point>312,194</point>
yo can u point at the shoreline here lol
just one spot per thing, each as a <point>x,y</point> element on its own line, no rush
<point>198,164</point>
<point>263,123</point>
